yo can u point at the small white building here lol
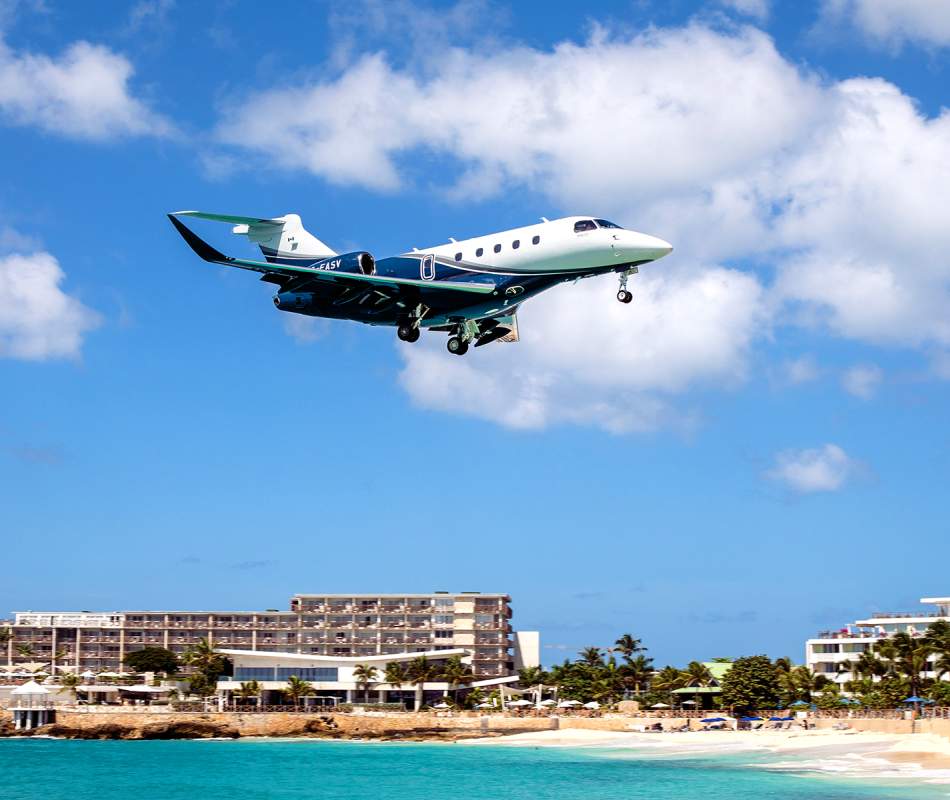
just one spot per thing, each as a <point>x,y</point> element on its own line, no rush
<point>332,677</point>
<point>825,652</point>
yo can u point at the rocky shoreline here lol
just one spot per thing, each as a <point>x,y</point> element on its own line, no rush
<point>145,726</point>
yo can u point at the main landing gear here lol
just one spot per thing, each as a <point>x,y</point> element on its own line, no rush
<point>464,333</point>
<point>408,328</point>
<point>457,345</point>
<point>408,333</point>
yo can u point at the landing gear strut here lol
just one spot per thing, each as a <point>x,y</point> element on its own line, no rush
<point>408,328</point>
<point>623,295</point>
<point>464,333</point>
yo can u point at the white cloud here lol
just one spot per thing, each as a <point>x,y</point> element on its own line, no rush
<point>84,93</point>
<point>796,371</point>
<point>710,139</point>
<point>38,320</point>
<point>305,329</point>
<point>823,469</point>
<point>862,380</point>
<point>757,9</point>
<point>584,358</point>
<point>893,22</point>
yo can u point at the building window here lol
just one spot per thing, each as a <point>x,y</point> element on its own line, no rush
<point>444,601</point>
<point>497,248</point>
<point>458,256</point>
<point>444,634</point>
<point>478,253</point>
<point>308,673</point>
<point>443,619</point>
<point>536,240</point>
<point>516,244</point>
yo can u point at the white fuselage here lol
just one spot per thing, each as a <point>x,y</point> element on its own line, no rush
<point>551,247</point>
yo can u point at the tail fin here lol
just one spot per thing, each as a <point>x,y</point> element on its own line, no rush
<point>279,237</point>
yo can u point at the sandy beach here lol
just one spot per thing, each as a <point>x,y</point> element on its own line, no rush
<point>844,753</point>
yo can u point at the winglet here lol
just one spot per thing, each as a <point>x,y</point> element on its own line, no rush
<point>196,243</point>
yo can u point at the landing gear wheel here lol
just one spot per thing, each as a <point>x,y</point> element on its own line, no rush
<point>457,346</point>
<point>408,333</point>
<point>624,296</point>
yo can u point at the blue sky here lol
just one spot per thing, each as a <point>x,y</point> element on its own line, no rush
<point>755,449</point>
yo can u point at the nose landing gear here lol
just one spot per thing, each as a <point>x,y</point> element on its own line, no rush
<point>623,295</point>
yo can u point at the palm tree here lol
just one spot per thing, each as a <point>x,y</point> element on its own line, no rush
<point>6,636</point>
<point>202,656</point>
<point>784,664</point>
<point>637,672</point>
<point>627,646</point>
<point>592,656</point>
<point>942,665</point>
<point>419,672</point>
<point>25,650</point>
<point>456,674</point>
<point>697,674</point>
<point>69,683</point>
<point>530,676</point>
<point>394,674</point>
<point>365,675</point>
<point>297,688</point>
<point>248,690</point>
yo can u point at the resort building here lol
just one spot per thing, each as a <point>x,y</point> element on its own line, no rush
<point>826,652</point>
<point>329,632</point>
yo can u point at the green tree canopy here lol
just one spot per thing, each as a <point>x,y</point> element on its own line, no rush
<point>152,659</point>
<point>752,683</point>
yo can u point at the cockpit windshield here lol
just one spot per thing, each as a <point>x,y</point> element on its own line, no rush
<point>584,225</point>
<point>603,223</point>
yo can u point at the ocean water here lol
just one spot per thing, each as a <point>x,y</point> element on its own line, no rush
<point>44,769</point>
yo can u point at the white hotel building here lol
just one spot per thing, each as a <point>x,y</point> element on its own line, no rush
<point>321,638</point>
<point>826,651</point>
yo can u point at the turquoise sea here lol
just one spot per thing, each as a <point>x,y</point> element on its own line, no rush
<point>37,769</point>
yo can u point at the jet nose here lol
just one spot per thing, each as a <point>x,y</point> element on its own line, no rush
<point>643,247</point>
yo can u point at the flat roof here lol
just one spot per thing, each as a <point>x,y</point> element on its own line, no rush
<point>404,594</point>
<point>382,657</point>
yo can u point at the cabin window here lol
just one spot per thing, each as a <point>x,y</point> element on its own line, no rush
<point>604,223</point>
<point>515,244</point>
<point>478,253</point>
<point>458,256</point>
<point>584,225</point>
<point>536,240</point>
<point>497,248</point>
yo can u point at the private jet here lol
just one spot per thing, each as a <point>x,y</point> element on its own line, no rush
<point>470,289</point>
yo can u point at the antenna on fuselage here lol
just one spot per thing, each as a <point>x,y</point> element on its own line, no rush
<point>452,240</point>
<point>544,219</point>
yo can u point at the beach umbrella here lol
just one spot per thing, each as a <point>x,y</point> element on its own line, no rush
<point>546,703</point>
<point>484,705</point>
<point>799,703</point>
<point>87,674</point>
<point>914,699</point>
<point>713,719</point>
<point>520,703</point>
<point>593,705</point>
<point>750,719</point>
<point>441,705</point>
<point>568,703</point>
<point>688,703</point>
<point>659,705</point>
<point>849,701</point>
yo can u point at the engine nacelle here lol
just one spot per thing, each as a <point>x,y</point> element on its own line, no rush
<point>359,262</point>
<point>293,301</point>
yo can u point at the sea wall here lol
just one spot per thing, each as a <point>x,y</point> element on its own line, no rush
<point>174,725</point>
